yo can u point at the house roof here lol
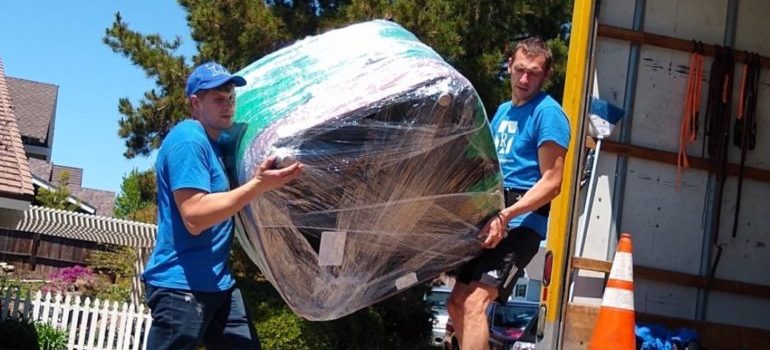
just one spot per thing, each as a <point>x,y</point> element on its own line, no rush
<point>103,201</point>
<point>40,168</point>
<point>35,106</point>
<point>75,174</point>
<point>86,227</point>
<point>40,182</point>
<point>15,176</point>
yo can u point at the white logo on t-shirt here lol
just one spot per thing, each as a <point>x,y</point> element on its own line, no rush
<point>505,135</point>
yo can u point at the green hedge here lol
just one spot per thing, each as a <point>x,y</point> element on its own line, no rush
<point>403,321</point>
<point>50,337</point>
<point>400,322</point>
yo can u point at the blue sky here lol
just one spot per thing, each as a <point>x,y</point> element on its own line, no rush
<point>60,42</point>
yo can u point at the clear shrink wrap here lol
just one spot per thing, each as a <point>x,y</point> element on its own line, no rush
<point>400,167</point>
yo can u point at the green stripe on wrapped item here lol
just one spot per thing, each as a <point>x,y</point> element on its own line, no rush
<point>400,168</point>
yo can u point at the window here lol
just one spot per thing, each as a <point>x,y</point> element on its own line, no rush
<point>521,291</point>
<point>513,315</point>
<point>437,299</point>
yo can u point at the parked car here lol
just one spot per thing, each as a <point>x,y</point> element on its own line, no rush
<point>527,339</point>
<point>437,299</point>
<point>507,324</point>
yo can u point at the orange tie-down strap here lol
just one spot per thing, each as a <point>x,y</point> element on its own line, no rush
<point>689,128</point>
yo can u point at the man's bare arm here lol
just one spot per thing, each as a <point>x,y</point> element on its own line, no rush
<point>201,210</point>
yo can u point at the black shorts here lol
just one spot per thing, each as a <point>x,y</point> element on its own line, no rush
<point>502,266</point>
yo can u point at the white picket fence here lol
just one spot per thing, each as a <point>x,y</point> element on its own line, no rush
<point>90,325</point>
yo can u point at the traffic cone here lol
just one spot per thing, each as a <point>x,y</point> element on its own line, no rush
<point>614,327</point>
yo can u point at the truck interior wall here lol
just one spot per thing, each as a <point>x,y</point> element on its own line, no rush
<point>668,225</point>
<point>610,80</point>
<point>744,311</point>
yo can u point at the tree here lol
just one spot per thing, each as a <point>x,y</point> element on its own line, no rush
<point>57,197</point>
<point>115,266</point>
<point>137,198</point>
<point>472,35</point>
<point>115,261</point>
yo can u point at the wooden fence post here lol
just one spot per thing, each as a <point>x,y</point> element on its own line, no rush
<point>33,251</point>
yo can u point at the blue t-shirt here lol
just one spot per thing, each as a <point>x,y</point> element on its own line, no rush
<point>189,159</point>
<point>518,133</point>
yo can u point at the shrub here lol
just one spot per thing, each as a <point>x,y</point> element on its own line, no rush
<point>286,331</point>
<point>400,322</point>
<point>21,288</point>
<point>50,337</point>
<point>363,329</point>
<point>277,327</point>
<point>120,292</point>
<point>407,319</point>
<point>76,279</point>
<point>114,261</point>
<point>84,282</point>
<point>115,266</point>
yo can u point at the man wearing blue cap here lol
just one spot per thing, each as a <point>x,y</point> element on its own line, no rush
<point>190,288</point>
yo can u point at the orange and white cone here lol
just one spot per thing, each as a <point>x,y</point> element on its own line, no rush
<point>614,327</point>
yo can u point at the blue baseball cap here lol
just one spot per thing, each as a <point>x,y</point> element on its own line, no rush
<point>210,75</point>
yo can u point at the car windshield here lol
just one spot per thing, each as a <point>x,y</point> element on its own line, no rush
<point>513,316</point>
<point>437,299</point>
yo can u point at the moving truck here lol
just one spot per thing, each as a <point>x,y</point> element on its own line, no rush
<point>696,263</point>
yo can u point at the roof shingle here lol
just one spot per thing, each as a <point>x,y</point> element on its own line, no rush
<point>15,177</point>
<point>75,175</point>
<point>40,168</point>
<point>102,200</point>
<point>35,107</point>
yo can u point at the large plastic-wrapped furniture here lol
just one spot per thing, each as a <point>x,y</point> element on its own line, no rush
<point>400,168</point>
